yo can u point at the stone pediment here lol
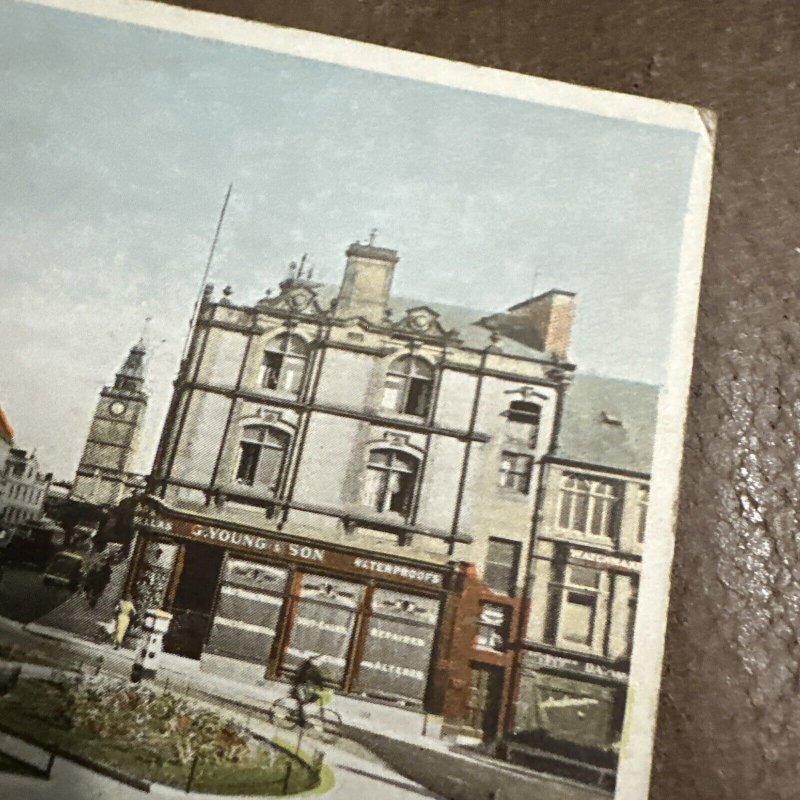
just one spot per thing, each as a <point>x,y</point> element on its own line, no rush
<point>295,297</point>
<point>422,321</point>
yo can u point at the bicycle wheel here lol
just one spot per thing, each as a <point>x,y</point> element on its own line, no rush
<point>283,713</point>
<point>331,725</point>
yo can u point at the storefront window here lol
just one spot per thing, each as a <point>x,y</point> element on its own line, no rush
<point>262,454</point>
<point>569,710</point>
<point>587,505</point>
<point>284,364</point>
<point>324,621</point>
<point>390,479</point>
<point>399,646</point>
<point>248,609</point>
<point>408,387</point>
<point>157,564</point>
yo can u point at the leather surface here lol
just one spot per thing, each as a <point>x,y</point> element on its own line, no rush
<point>729,725</point>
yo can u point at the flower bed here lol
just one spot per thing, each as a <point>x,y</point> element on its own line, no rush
<point>151,735</point>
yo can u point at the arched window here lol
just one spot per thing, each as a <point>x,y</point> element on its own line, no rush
<point>390,481</point>
<point>262,456</point>
<point>525,418</point>
<point>284,364</point>
<point>408,387</point>
<point>588,505</point>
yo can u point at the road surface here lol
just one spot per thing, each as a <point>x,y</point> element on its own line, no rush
<point>24,597</point>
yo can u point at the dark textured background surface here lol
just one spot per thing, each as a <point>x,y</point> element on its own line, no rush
<point>729,725</point>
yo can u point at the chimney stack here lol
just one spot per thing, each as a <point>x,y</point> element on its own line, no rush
<point>543,322</point>
<point>367,282</point>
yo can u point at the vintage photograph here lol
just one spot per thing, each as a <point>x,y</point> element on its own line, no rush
<point>341,415</point>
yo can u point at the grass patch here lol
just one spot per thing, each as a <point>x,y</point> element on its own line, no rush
<point>144,735</point>
<point>326,779</point>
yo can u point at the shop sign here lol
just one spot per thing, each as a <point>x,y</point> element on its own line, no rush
<point>550,661</point>
<point>260,544</point>
<point>604,560</point>
<point>152,520</point>
<point>398,570</point>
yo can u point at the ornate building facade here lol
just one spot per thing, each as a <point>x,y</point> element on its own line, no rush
<point>23,487</point>
<point>352,474</point>
<point>104,473</point>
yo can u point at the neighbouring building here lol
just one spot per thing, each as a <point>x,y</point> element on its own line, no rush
<point>6,440</point>
<point>23,488</point>
<point>584,579</point>
<point>104,475</point>
<point>354,474</point>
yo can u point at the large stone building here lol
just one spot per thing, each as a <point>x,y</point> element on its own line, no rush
<point>354,474</point>
<point>23,488</point>
<point>104,474</point>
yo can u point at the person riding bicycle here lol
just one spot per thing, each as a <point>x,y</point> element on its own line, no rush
<point>308,683</point>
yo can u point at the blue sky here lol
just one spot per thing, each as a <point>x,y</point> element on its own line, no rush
<point>117,144</point>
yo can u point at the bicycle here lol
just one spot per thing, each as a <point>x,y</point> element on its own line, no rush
<point>284,714</point>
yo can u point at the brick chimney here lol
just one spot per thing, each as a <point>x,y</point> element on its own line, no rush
<point>544,322</point>
<point>367,282</point>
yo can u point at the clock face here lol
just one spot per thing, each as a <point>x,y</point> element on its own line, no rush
<point>117,408</point>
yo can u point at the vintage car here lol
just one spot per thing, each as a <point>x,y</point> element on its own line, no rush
<point>33,544</point>
<point>65,569</point>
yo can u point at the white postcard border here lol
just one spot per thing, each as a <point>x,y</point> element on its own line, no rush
<point>642,706</point>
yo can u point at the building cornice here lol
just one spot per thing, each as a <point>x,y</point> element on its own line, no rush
<point>585,466</point>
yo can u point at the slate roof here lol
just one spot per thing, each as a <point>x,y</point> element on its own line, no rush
<point>608,422</point>
<point>460,318</point>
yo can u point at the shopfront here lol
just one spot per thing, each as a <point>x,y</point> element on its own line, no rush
<point>375,623</point>
<point>571,700</point>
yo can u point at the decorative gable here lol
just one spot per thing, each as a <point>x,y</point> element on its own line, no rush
<point>422,321</point>
<point>296,297</point>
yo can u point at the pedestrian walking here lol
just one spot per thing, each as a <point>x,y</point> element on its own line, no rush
<point>125,611</point>
<point>102,579</point>
<point>90,585</point>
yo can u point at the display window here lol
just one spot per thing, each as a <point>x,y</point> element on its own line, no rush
<point>323,625</point>
<point>248,610</point>
<point>398,646</point>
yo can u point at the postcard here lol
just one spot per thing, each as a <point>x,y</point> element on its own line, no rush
<point>342,414</point>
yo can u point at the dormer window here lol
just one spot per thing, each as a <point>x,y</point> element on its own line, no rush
<point>284,364</point>
<point>525,417</point>
<point>409,386</point>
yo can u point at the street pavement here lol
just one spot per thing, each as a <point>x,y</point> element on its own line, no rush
<point>354,777</point>
<point>24,596</point>
<point>404,748</point>
<point>357,772</point>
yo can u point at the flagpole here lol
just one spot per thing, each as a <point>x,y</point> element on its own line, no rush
<point>206,272</point>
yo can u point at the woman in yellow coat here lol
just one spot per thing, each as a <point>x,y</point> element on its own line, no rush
<point>125,610</point>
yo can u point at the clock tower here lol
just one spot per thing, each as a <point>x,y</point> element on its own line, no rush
<point>104,474</point>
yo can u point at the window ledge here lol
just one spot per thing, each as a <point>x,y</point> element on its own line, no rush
<point>576,537</point>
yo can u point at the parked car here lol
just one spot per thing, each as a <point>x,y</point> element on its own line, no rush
<point>33,544</point>
<point>65,569</point>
